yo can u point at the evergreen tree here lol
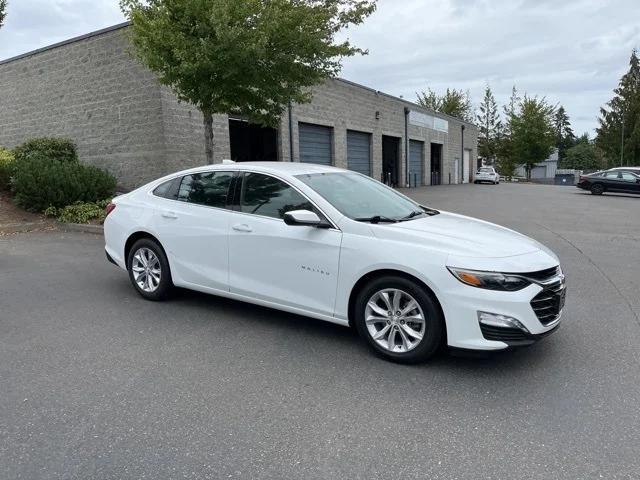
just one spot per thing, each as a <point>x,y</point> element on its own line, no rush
<point>618,135</point>
<point>490,126</point>
<point>565,137</point>
<point>507,161</point>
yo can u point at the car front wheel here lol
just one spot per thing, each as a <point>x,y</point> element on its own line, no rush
<point>149,269</point>
<point>399,320</point>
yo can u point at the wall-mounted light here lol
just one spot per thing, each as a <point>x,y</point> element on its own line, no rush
<point>377,114</point>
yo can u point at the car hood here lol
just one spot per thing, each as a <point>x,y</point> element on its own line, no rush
<point>461,236</point>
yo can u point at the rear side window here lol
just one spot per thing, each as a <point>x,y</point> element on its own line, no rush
<point>270,197</point>
<point>208,188</point>
<point>166,190</point>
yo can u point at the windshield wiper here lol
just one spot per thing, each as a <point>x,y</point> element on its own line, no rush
<point>413,214</point>
<point>376,219</point>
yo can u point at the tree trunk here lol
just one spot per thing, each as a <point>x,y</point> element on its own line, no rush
<point>208,136</point>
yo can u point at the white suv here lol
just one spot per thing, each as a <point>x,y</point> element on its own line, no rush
<point>487,174</point>
<point>338,246</point>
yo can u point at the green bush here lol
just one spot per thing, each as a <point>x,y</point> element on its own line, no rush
<point>39,183</point>
<point>7,164</point>
<point>79,212</point>
<point>53,148</point>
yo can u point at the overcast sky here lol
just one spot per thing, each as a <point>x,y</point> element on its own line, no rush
<point>573,51</point>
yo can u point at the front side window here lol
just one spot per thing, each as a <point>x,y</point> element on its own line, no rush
<point>360,197</point>
<point>629,177</point>
<point>208,188</point>
<point>270,197</point>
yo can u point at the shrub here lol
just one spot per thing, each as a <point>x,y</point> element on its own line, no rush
<point>53,148</point>
<point>39,183</point>
<point>7,164</point>
<point>79,212</point>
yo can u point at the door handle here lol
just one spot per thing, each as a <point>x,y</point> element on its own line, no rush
<point>242,227</point>
<point>170,215</point>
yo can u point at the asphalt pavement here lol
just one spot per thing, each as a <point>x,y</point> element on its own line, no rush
<point>97,383</point>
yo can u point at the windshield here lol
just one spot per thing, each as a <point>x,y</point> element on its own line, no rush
<point>486,170</point>
<point>361,198</point>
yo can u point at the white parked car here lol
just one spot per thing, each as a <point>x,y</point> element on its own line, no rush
<point>487,174</point>
<point>338,246</point>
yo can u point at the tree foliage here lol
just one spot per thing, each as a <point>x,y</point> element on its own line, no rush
<point>3,11</point>
<point>456,103</point>
<point>250,57</point>
<point>489,127</point>
<point>565,138</point>
<point>582,156</point>
<point>532,132</point>
<point>618,135</point>
<point>507,161</point>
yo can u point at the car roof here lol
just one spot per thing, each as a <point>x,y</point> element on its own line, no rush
<point>624,168</point>
<point>282,168</point>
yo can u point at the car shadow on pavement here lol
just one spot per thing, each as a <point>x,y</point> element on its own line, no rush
<point>345,342</point>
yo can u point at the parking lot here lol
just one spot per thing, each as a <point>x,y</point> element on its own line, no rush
<point>95,382</point>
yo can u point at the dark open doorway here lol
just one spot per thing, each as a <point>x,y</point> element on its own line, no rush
<point>436,164</point>
<point>252,143</point>
<point>390,160</point>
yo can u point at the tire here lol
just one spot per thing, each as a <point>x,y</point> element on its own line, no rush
<point>151,286</point>
<point>597,189</point>
<point>475,181</point>
<point>405,347</point>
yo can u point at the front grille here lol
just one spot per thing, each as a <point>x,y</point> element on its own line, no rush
<point>548,304</point>
<point>503,334</point>
<point>543,275</point>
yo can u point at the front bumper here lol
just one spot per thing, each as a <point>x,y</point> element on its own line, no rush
<point>461,304</point>
<point>485,179</point>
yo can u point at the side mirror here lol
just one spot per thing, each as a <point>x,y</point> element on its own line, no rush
<point>305,218</point>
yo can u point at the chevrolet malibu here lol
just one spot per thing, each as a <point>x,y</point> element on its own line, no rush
<point>337,246</point>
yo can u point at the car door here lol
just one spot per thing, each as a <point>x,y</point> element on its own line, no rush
<point>296,266</point>
<point>192,222</point>
<point>613,181</point>
<point>630,182</point>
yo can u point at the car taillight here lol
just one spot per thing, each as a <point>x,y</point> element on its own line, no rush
<point>109,208</point>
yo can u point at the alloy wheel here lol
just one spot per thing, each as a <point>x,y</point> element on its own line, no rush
<point>146,269</point>
<point>395,320</point>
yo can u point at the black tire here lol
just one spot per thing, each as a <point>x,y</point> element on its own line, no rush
<point>165,285</point>
<point>475,181</point>
<point>434,320</point>
<point>597,189</point>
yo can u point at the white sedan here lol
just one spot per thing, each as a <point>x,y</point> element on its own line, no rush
<point>338,246</point>
<point>487,174</point>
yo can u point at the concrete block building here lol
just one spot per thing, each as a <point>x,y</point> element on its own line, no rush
<point>92,90</point>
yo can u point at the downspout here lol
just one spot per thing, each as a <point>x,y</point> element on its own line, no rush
<point>290,133</point>
<point>462,156</point>
<point>407,181</point>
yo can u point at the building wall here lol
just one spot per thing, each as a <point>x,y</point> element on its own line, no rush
<point>92,90</point>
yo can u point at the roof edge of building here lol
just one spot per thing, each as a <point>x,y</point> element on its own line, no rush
<point>66,42</point>
<point>127,23</point>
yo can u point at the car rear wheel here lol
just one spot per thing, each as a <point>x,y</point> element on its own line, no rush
<point>399,320</point>
<point>597,189</point>
<point>149,270</point>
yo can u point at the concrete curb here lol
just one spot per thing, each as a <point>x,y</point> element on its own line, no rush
<point>80,227</point>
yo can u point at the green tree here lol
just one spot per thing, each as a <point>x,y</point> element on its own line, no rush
<point>249,57</point>
<point>3,11</point>
<point>507,161</point>
<point>456,103</point>
<point>565,138</point>
<point>532,132</point>
<point>489,127</point>
<point>582,156</point>
<point>618,135</point>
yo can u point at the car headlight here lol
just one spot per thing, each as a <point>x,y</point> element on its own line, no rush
<point>490,280</point>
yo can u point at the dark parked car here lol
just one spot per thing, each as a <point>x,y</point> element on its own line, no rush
<point>614,180</point>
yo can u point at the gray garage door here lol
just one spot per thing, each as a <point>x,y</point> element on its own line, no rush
<point>315,143</point>
<point>416,162</point>
<point>359,152</point>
